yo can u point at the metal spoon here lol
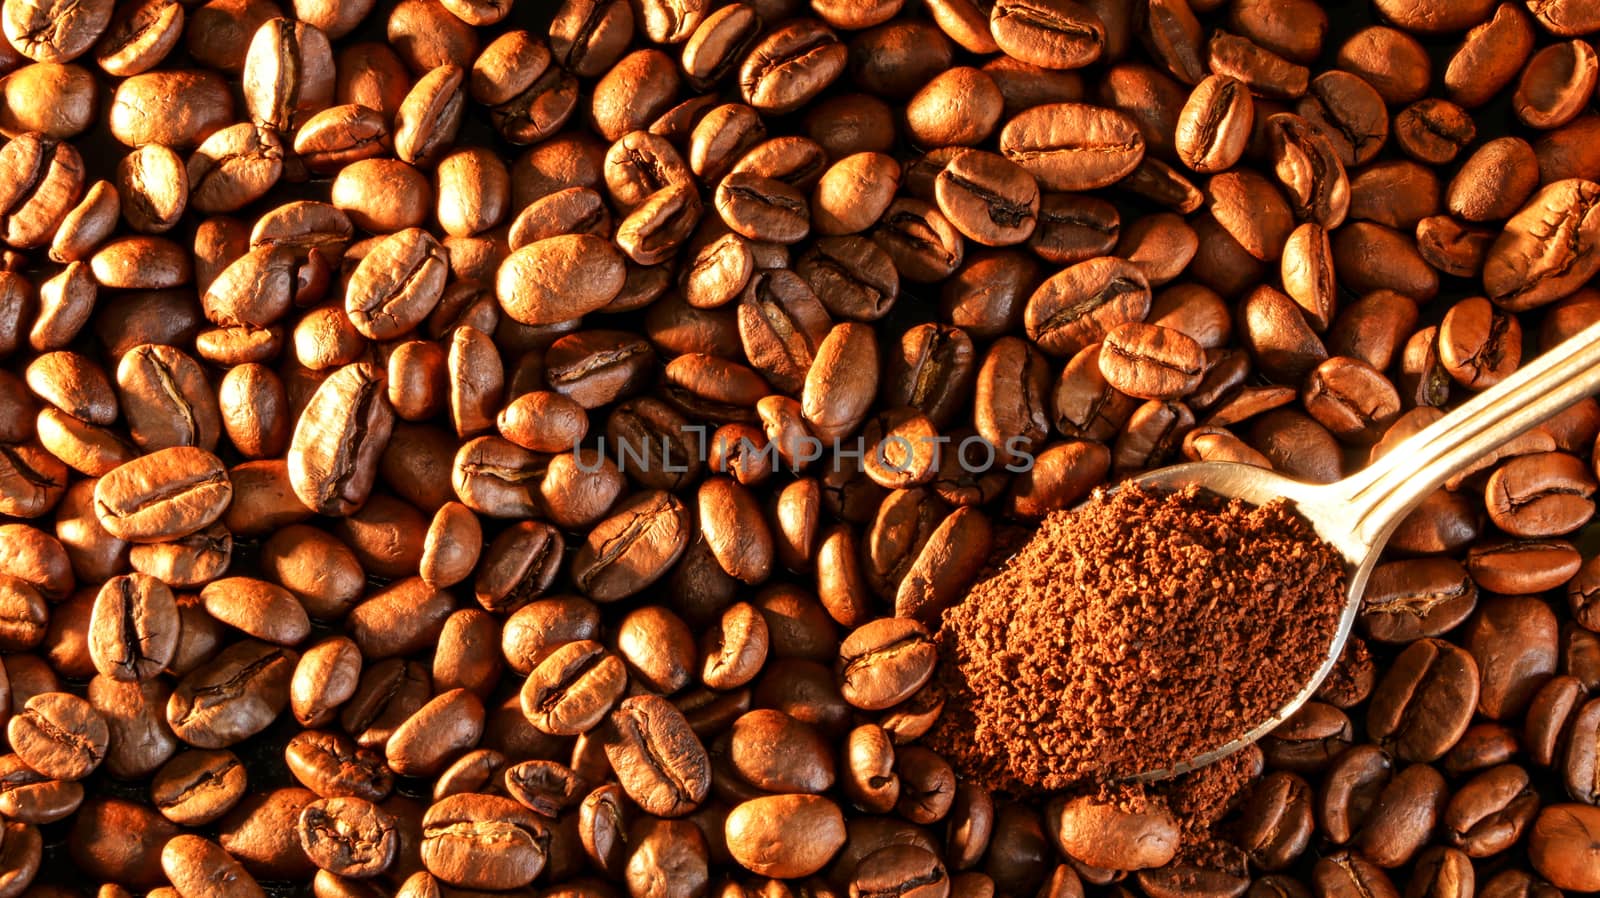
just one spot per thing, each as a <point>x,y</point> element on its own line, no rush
<point>1357,514</point>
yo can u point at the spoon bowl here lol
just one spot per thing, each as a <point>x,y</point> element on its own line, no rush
<point>1356,515</point>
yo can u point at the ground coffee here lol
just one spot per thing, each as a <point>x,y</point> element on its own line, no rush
<point>1131,633</point>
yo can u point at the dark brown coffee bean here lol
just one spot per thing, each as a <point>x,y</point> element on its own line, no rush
<point>657,758</point>
<point>260,609</point>
<point>654,231</point>
<point>1151,362</point>
<point>853,193</point>
<point>154,188</point>
<point>198,866</point>
<point>477,841</point>
<point>1433,131</point>
<point>1080,305</point>
<point>790,66</point>
<point>1556,84</point>
<point>197,787</point>
<point>1495,181</point>
<point>1524,635</point>
<point>167,494</point>
<point>559,278</point>
<point>1423,705</point>
<point>573,688</point>
<point>235,695</point>
<point>841,382</point>
<point>348,837</point>
<point>923,244</point>
<point>808,829</point>
<point>1215,125</point>
<point>333,453</point>
<point>59,735</point>
<point>1263,71</point>
<point>47,32</point>
<point>1100,834</point>
<point>288,73</point>
<point>1053,34</point>
<point>1491,811</point>
<point>1408,600</point>
<point>1557,846</point>
<point>449,724</point>
<point>396,284</point>
<point>957,107</point>
<point>1490,56</point>
<point>1072,146</point>
<point>988,198</point>
<point>331,765</point>
<point>496,477</point>
<point>1540,495</point>
<point>633,548</point>
<point>1352,399</point>
<point>884,662</point>
<point>762,208</point>
<point>1529,265</point>
<point>1276,824</point>
<point>1073,228</point>
<point>167,399</point>
<point>133,631</point>
<point>30,797</point>
<point>782,325</point>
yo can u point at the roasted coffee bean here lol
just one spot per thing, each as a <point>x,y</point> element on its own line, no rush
<point>235,695</point>
<point>1423,705</point>
<point>633,548</point>
<point>398,282</point>
<point>197,787</point>
<point>806,830</point>
<point>133,630</point>
<point>1408,600</point>
<point>1215,125</point>
<point>559,278</point>
<point>164,495</point>
<point>923,245</point>
<point>1529,265</point>
<point>333,453</point>
<point>1148,361</point>
<point>1557,850</point>
<point>288,73</point>
<point>1073,228</point>
<point>348,837</point>
<point>167,399</point>
<point>885,662</point>
<point>59,735</point>
<point>332,766</point>
<point>1555,84</point>
<point>1073,146</point>
<point>657,758</point>
<point>1540,495</point>
<point>988,198</point>
<point>790,66</point>
<point>195,866</point>
<point>573,688</point>
<point>957,107</point>
<point>1081,304</point>
<point>480,841</point>
<point>782,325</point>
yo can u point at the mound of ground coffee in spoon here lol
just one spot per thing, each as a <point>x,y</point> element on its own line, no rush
<point>1131,633</point>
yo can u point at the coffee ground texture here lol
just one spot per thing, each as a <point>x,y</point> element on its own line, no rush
<point>1132,633</point>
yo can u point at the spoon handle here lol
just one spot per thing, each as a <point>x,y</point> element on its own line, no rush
<point>1385,491</point>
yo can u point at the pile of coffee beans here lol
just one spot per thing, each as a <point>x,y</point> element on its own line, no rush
<point>453,446</point>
